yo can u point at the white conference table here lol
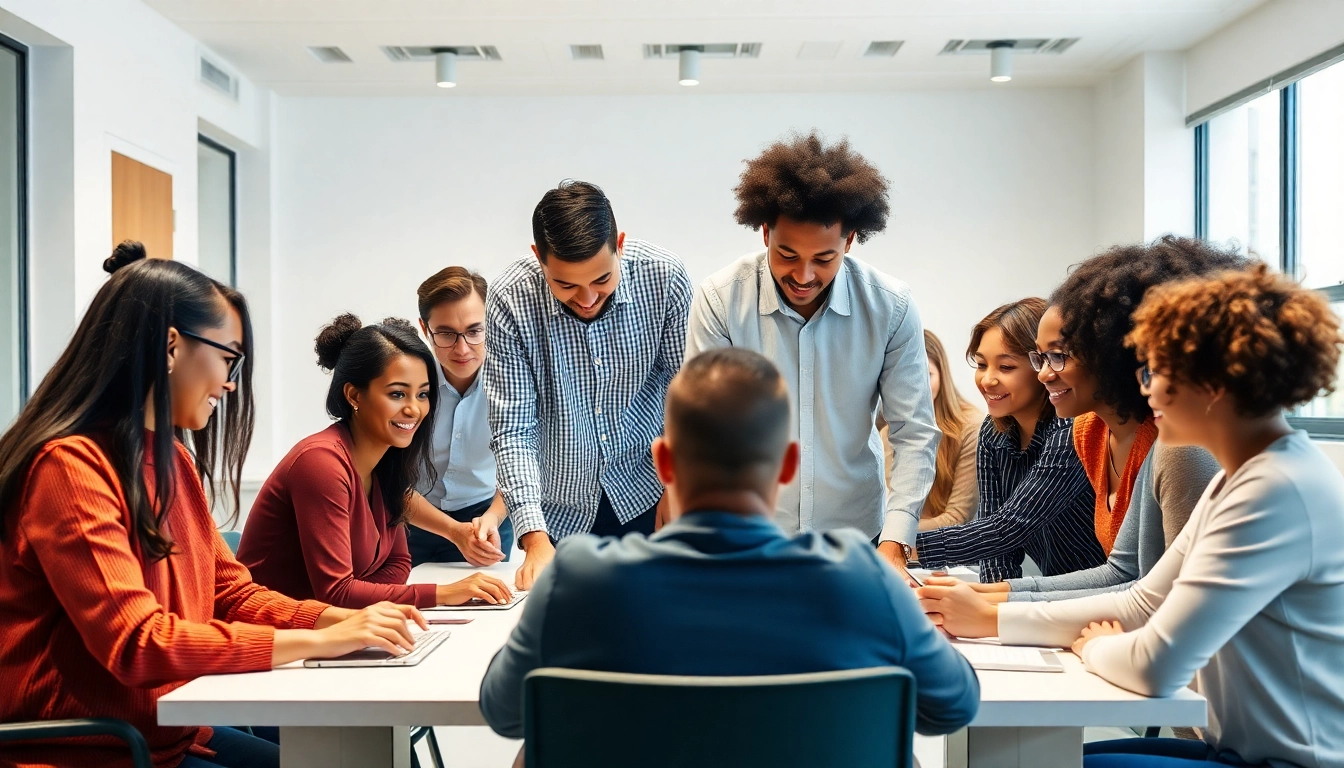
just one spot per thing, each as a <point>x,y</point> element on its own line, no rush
<point>361,716</point>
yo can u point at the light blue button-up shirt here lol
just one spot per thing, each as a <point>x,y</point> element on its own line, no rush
<point>864,345</point>
<point>461,449</point>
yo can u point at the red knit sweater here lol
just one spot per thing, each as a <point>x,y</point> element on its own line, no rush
<point>90,628</point>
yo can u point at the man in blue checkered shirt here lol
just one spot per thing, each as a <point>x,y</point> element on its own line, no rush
<point>585,336</point>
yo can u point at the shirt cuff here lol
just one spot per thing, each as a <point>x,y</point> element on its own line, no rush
<point>306,616</point>
<point>527,518</point>
<point>426,595</point>
<point>900,527</point>
<point>932,551</point>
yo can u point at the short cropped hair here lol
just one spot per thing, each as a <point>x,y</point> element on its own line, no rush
<point>447,285</point>
<point>1269,342</point>
<point>727,417</point>
<point>1097,302</point>
<point>573,221</point>
<point>803,179</point>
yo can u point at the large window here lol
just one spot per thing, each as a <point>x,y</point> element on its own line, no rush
<point>13,230</point>
<point>1270,179</point>
<point>215,205</point>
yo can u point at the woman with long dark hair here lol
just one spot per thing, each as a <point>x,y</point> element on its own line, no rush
<point>330,522</point>
<point>115,587</point>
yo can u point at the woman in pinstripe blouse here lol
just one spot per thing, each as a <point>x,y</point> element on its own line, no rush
<point>1035,498</point>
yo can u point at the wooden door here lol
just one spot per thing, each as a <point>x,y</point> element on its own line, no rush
<point>142,206</point>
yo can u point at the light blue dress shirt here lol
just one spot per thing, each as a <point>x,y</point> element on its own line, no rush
<point>461,448</point>
<point>864,345</point>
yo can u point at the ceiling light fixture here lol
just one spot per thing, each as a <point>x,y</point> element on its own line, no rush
<point>445,69</point>
<point>688,66</point>
<point>1001,60</point>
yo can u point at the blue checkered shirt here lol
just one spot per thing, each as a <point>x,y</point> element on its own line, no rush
<point>575,406</point>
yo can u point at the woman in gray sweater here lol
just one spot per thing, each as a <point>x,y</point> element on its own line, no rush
<point>1083,362</point>
<point>1249,599</point>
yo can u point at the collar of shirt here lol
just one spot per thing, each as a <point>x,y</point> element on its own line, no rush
<point>715,532</point>
<point>768,300</point>
<point>620,296</point>
<point>1008,440</point>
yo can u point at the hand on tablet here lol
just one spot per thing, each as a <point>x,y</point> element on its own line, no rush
<point>477,586</point>
<point>381,625</point>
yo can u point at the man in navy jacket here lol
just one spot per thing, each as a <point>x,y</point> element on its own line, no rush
<point>722,590</point>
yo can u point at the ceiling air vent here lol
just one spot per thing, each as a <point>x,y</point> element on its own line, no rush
<point>586,52</point>
<point>217,77</point>
<point>882,49</point>
<point>426,52</point>
<point>329,54</point>
<point>707,50</point>
<point>1020,45</point>
<point>818,51</point>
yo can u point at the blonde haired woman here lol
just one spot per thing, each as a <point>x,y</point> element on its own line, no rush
<point>954,496</point>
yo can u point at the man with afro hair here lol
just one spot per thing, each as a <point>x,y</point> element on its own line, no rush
<point>846,337</point>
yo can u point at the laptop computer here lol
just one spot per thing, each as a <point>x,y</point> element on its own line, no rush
<point>425,643</point>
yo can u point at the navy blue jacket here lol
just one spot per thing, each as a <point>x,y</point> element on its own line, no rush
<point>715,593</point>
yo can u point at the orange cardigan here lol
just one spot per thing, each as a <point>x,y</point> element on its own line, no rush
<point>1090,436</point>
<point>89,628</point>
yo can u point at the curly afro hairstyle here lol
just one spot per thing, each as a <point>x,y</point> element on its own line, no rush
<point>803,179</point>
<point>1271,343</point>
<point>1097,302</point>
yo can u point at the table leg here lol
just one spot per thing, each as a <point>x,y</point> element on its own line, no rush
<point>312,747</point>
<point>1015,748</point>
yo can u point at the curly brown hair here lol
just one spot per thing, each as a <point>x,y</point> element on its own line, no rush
<point>1097,301</point>
<point>803,179</point>
<point>1269,342</point>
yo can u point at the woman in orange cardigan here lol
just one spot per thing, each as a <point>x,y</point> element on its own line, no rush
<point>115,587</point>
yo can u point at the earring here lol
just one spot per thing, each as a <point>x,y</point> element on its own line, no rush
<point>170,370</point>
<point>356,410</point>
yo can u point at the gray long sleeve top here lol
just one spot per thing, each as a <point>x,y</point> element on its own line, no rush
<point>1248,601</point>
<point>1169,484</point>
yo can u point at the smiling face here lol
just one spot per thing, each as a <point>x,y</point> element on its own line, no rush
<point>1004,378</point>
<point>394,404</point>
<point>584,286</point>
<point>1073,389</point>
<point>463,359</point>
<point>1180,411</point>
<point>804,260</point>
<point>200,376</point>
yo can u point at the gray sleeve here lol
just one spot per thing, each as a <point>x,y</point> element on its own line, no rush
<point>1181,474</point>
<point>1118,572</point>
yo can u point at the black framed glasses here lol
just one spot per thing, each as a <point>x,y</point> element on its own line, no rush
<point>448,339</point>
<point>1056,360</point>
<point>235,362</point>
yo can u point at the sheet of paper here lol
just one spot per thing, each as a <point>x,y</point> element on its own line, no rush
<point>1009,658</point>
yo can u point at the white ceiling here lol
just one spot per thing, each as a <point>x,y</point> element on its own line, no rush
<point>267,40</point>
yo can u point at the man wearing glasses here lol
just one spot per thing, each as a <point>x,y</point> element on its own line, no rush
<point>458,516</point>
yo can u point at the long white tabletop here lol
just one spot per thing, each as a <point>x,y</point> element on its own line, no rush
<point>358,716</point>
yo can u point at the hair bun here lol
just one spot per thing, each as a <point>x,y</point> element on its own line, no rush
<point>333,339</point>
<point>398,322</point>
<point>128,252</point>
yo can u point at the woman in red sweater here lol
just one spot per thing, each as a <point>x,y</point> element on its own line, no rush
<point>115,587</point>
<point>329,523</point>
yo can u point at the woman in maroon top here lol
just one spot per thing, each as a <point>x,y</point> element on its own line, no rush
<point>329,522</point>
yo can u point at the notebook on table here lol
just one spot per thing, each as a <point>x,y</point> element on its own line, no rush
<point>425,643</point>
<point>1009,658</point>
<point>479,605</point>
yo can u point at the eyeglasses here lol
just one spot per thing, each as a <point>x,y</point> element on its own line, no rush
<point>235,362</point>
<point>1145,376</point>
<point>448,339</point>
<point>1055,360</point>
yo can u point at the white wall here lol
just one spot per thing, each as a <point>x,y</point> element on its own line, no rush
<point>107,75</point>
<point>1268,40</point>
<point>991,195</point>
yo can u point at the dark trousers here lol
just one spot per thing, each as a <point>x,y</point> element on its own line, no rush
<point>237,749</point>
<point>607,523</point>
<point>1151,753</point>
<point>429,547</point>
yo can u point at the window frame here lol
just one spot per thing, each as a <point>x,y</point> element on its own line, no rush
<point>233,202</point>
<point>1289,212</point>
<point>20,52</point>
